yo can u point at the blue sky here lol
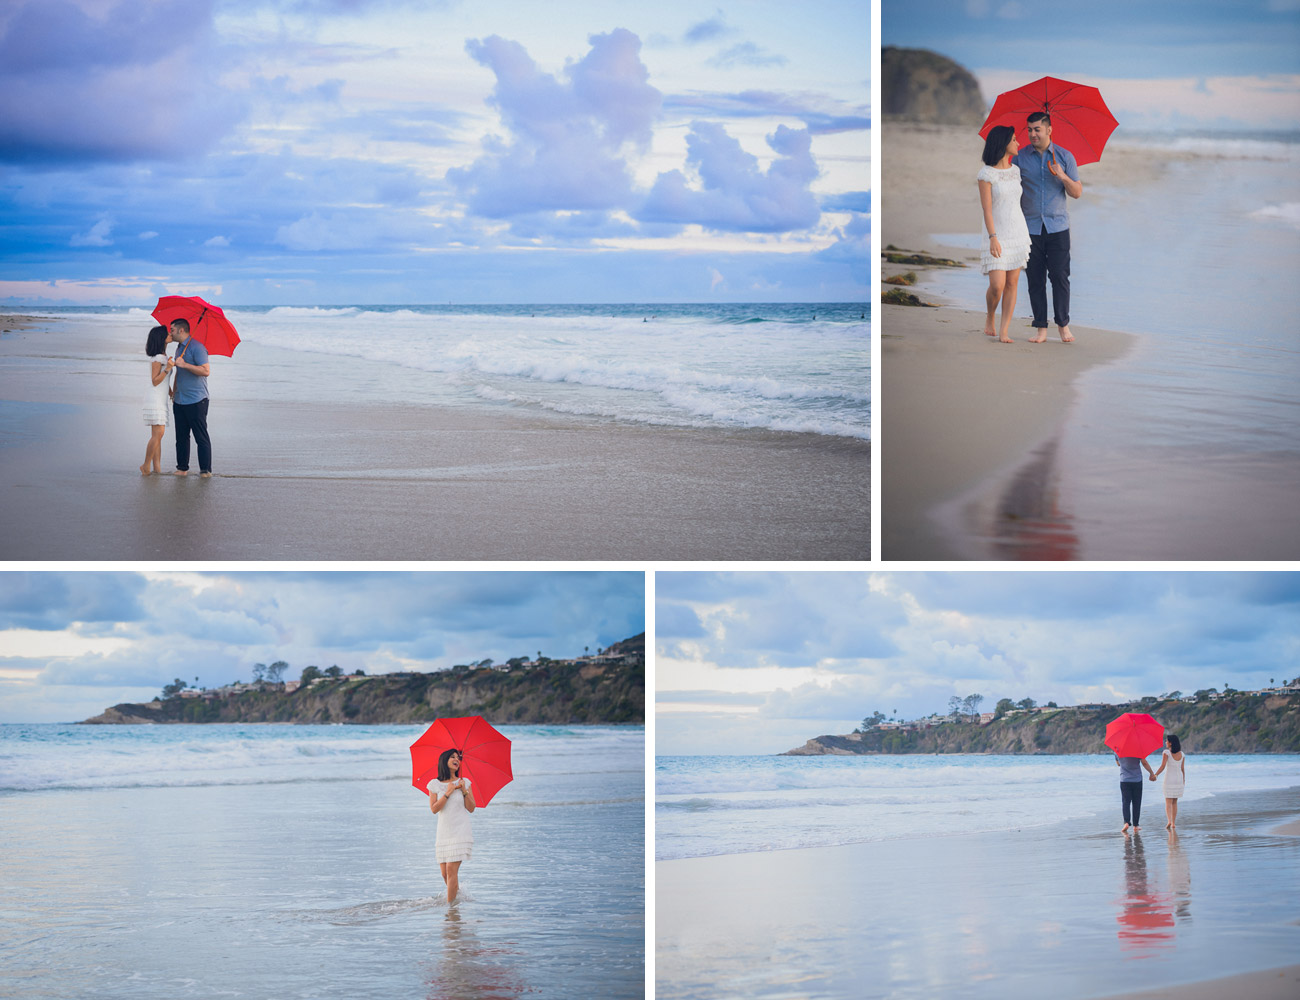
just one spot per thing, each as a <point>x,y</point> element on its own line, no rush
<point>406,151</point>
<point>761,662</point>
<point>1161,65</point>
<point>71,644</point>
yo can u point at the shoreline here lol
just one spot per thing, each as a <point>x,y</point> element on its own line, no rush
<point>1063,909</point>
<point>395,480</point>
<point>971,425</point>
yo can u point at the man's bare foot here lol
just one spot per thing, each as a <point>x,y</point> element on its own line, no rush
<point>1125,829</point>
<point>1042,335</point>
<point>181,472</point>
<point>205,475</point>
<point>1066,336</point>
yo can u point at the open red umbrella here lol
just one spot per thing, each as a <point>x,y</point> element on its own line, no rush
<point>484,755</point>
<point>1081,122</point>
<point>208,324</point>
<point>1135,734</point>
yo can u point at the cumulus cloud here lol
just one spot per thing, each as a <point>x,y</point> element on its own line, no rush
<point>83,81</point>
<point>567,134</point>
<point>96,236</point>
<point>734,193</point>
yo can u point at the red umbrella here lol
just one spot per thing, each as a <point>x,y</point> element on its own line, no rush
<point>1081,122</point>
<point>208,324</point>
<point>1135,734</point>
<point>484,755</point>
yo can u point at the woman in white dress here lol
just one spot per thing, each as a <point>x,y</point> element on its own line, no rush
<point>1174,764</point>
<point>1006,235</point>
<point>156,401</point>
<point>453,800</point>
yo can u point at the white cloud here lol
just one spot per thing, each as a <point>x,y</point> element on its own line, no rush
<point>97,236</point>
<point>217,241</point>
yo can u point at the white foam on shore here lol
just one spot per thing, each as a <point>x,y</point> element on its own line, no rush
<point>1288,212</point>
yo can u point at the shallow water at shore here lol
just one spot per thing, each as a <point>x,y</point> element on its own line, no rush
<point>1190,447</point>
<point>199,861</point>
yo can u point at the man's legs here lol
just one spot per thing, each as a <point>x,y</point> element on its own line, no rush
<point>1036,279</point>
<point>1058,267</point>
<point>199,425</point>
<point>181,411</point>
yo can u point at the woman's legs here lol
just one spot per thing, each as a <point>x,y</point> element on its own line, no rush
<point>997,283</point>
<point>442,866</point>
<point>451,874</point>
<point>1173,814</point>
<point>153,450</point>
<point>1009,302</point>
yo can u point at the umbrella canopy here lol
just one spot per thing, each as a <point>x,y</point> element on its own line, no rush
<point>484,755</point>
<point>1081,122</point>
<point>208,324</point>
<point>1135,734</point>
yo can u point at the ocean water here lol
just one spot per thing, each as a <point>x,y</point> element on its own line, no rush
<point>779,366</point>
<point>297,861</point>
<point>1169,447</point>
<point>712,805</point>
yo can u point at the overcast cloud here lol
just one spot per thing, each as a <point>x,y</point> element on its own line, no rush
<point>760,662</point>
<point>71,644</point>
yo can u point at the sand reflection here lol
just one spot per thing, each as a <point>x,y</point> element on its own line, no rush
<point>465,967</point>
<point>1028,522</point>
<point>1145,918</point>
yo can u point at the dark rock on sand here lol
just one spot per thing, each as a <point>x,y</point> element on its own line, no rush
<point>922,86</point>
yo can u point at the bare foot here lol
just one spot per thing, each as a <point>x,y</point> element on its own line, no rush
<point>144,469</point>
<point>205,475</point>
<point>1004,339</point>
<point>1042,335</point>
<point>1169,826</point>
<point>988,328</point>
<point>1066,336</point>
<point>181,472</point>
<point>1125,830</point>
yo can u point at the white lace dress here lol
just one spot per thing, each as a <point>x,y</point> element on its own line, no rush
<point>1008,220</point>
<point>1175,781</point>
<point>157,408</point>
<point>455,837</point>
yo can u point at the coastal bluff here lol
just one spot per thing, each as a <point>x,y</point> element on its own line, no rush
<point>609,689</point>
<point>1239,723</point>
<point>922,86</point>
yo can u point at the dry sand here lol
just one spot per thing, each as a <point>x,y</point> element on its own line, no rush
<point>360,481</point>
<point>1271,984</point>
<point>967,424</point>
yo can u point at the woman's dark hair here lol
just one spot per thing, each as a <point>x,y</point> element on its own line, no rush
<point>995,146</point>
<point>157,342</point>
<point>444,772</point>
<point>1175,744</point>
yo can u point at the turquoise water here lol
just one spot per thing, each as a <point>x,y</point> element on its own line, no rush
<point>777,366</point>
<point>297,861</point>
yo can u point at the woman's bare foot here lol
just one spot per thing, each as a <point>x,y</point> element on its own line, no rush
<point>144,469</point>
<point>1066,336</point>
<point>988,328</point>
<point>1004,339</point>
<point>1042,335</point>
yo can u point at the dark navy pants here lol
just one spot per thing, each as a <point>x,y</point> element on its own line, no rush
<point>1130,793</point>
<point>1049,257</point>
<point>192,418</point>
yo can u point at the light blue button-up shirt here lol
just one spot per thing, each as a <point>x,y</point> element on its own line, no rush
<point>191,388</point>
<point>1042,196</point>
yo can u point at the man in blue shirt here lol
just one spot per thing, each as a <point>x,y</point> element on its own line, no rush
<point>190,400</point>
<point>1047,174</point>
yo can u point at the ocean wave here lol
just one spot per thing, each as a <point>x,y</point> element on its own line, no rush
<point>1218,147</point>
<point>1288,212</point>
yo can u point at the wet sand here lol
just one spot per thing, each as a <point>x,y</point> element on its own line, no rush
<point>1074,911</point>
<point>352,480</point>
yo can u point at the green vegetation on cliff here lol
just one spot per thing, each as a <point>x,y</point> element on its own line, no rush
<point>550,692</point>
<point>1235,723</point>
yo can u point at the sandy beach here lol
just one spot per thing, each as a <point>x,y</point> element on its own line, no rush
<point>1122,445</point>
<point>353,479</point>
<point>1072,911</point>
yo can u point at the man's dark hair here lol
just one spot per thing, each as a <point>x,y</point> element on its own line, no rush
<point>444,772</point>
<point>1039,116</point>
<point>1175,744</point>
<point>157,342</point>
<point>181,324</point>
<point>995,146</point>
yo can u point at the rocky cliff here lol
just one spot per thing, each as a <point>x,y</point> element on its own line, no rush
<point>917,85</point>
<point>1240,724</point>
<point>551,693</point>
